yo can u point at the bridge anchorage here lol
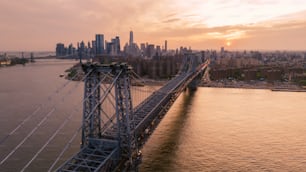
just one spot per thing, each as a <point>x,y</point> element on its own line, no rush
<point>113,130</point>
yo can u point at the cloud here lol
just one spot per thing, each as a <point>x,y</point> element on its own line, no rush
<point>39,25</point>
<point>171,20</point>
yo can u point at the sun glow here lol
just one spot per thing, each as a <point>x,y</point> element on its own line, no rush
<point>228,43</point>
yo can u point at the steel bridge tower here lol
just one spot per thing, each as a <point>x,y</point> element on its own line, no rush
<point>190,64</point>
<point>111,140</point>
<point>91,130</point>
<point>91,125</point>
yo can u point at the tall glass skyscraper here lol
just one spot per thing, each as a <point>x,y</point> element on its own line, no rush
<point>99,44</point>
<point>131,38</point>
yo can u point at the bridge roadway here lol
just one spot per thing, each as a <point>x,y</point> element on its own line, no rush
<point>102,154</point>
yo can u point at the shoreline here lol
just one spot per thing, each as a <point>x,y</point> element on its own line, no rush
<point>273,86</point>
<point>252,84</point>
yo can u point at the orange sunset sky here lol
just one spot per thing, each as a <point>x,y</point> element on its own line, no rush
<point>37,25</point>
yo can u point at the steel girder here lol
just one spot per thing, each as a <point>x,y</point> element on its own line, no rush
<point>119,150</point>
<point>91,108</point>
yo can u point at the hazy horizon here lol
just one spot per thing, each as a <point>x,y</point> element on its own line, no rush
<point>237,25</point>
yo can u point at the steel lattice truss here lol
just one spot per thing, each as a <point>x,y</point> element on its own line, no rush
<point>111,139</point>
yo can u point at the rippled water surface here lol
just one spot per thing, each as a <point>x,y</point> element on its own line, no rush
<point>217,129</point>
<point>212,129</point>
<point>25,89</point>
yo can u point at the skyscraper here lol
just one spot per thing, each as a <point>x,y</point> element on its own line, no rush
<point>158,50</point>
<point>81,50</point>
<point>222,50</point>
<point>166,44</point>
<point>113,47</point>
<point>116,41</point>
<point>60,49</point>
<point>94,48</point>
<point>109,48</point>
<point>151,50</point>
<point>99,44</point>
<point>131,38</point>
<point>143,47</point>
<point>131,48</point>
<point>70,49</point>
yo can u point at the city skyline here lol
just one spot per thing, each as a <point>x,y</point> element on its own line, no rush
<point>261,25</point>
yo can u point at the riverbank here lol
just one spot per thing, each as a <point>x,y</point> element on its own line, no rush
<point>14,61</point>
<point>274,86</point>
<point>75,73</point>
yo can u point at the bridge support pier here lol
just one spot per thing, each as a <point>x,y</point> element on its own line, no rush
<point>125,124</point>
<point>194,83</point>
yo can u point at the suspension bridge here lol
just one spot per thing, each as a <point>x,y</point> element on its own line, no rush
<point>118,118</point>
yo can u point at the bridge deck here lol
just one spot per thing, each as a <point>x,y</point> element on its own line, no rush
<point>102,152</point>
<point>143,112</point>
<point>92,157</point>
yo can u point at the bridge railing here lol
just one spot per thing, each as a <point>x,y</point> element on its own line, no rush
<point>166,96</point>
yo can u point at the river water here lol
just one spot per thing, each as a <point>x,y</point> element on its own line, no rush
<point>211,129</point>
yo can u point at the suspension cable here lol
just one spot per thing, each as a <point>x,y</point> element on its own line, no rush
<point>49,140</point>
<point>137,77</point>
<point>40,106</point>
<point>36,127</point>
<point>65,148</point>
<point>22,123</point>
<point>29,135</point>
<point>60,127</point>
